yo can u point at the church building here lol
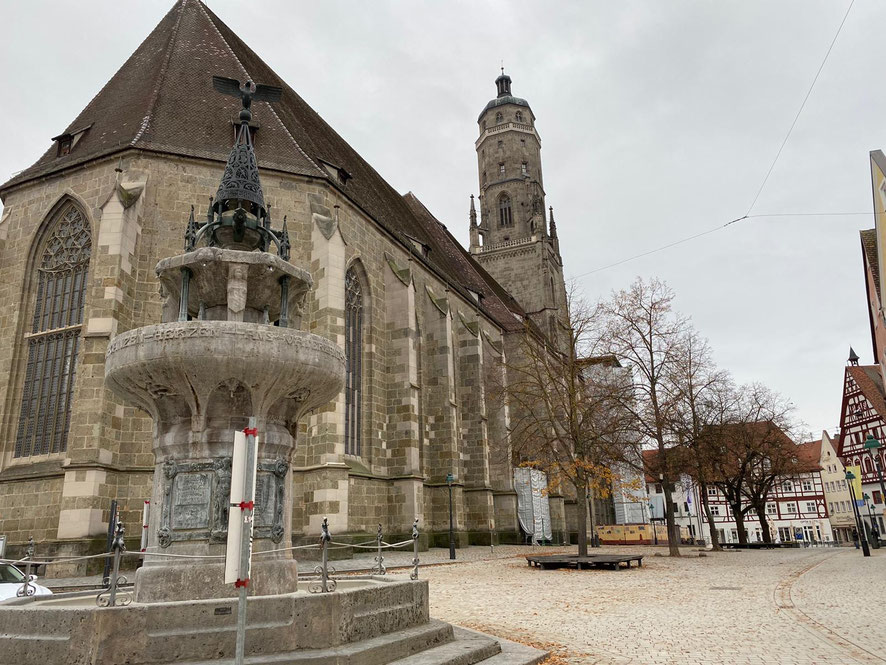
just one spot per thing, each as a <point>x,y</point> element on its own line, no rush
<point>426,325</point>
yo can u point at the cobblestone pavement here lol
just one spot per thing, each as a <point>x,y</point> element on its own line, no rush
<point>782,606</point>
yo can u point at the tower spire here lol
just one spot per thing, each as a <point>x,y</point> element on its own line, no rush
<point>551,224</point>
<point>853,357</point>
<point>473,212</point>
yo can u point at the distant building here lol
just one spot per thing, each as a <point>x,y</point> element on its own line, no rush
<point>836,491</point>
<point>796,509</point>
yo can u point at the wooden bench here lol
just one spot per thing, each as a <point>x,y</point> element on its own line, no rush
<point>609,561</point>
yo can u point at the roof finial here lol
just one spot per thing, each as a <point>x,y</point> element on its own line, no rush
<point>552,224</point>
<point>473,212</point>
<point>853,357</point>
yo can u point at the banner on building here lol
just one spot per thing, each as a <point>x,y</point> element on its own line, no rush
<point>856,485</point>
<point>533,507</point>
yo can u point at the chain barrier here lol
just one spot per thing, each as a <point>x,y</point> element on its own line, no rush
<point>115,594</point>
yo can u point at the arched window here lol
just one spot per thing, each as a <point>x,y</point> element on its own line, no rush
<point>498,118</point>
<point>504,211</point>
<point>519,116</point>
<point>354,360</point>
<point>54,336</point>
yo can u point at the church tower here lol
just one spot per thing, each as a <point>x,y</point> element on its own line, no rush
<point>513,241</point>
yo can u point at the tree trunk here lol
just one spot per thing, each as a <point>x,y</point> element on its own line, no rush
<point>760,509</point>
<point>673,533</point>
<point>582,517</point>
<point>738,515</point>
<point>593,511</point>
<point>709,516</point>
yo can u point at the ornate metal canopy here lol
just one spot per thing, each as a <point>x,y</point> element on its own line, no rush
<point>238,217</point>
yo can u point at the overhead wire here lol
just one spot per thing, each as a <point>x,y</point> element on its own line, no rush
<point>748,214</point>
<point>715,229</point>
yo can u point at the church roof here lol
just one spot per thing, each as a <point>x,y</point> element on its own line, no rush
<point>162,100</point>
<point>452,258</point>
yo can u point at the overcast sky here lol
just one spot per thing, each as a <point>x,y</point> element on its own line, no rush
<point>658,120</point>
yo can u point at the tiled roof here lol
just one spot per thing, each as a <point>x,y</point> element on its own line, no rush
<point>870,382</point>
<point>162,100</point>
<point>447,254</point>
<point>869,247</point>
<point>809,456</point>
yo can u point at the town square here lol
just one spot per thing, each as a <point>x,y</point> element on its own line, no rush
<point>301,361</point>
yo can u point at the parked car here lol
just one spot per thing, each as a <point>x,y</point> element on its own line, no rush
<point>11,580</point>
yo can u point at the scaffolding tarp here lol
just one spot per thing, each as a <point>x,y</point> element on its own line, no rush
<point>533,506</point>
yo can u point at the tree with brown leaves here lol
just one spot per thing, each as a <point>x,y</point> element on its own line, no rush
<point>566,407</point>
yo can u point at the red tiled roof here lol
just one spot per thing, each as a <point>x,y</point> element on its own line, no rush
<point>162,100</point>
<point>809,456</point>
<point>871,385</point>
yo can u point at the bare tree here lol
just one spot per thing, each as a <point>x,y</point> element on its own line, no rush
<point>647,336</point>
<point>750,451</point>
<point>706,400</point>
<point>771,441</point>
<point>566,407</point>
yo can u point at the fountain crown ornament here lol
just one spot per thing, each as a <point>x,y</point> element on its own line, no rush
<point>238,217</point>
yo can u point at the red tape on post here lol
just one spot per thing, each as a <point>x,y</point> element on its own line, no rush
<point>241,583</point>
<point>250,431</point>
<point>246,505</point>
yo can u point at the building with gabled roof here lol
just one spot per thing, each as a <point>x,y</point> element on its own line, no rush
<point>425,323</point>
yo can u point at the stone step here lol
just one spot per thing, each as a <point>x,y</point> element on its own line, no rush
<point>512,653</point>
<point>374,651</point>
<point>466,648</point>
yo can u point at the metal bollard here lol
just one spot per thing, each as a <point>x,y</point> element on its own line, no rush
<point>113,595</point>
<point>28,589</point>
<point>326,583</point>
<point>379,568</point>
<point>414,574</point>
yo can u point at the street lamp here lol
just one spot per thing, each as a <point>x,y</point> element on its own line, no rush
<point>652,524</point>
<point>449,479</point>
<point>858,524</point>
<point>875,534</point>
<point>873,447</point>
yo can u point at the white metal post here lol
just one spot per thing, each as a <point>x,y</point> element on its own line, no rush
<point>246,507</point>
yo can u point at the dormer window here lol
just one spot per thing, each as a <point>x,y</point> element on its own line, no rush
<point>65,143</point>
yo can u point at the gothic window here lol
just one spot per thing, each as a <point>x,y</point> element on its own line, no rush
<point>519,116</point>
<point>54,337</point>
<point>354,362</point>
<point>504,211</point>
<point>498,118</point>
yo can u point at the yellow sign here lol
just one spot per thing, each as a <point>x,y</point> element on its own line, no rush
<point>856,482</point>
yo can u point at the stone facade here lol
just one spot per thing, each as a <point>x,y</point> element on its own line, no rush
<point>431,350</point>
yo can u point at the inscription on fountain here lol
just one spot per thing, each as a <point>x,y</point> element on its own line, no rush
<point>265,499</point>
<point>191,501</point>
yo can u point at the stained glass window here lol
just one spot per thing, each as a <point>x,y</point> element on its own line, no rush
<point>54,339</point>
<point>354,360</point>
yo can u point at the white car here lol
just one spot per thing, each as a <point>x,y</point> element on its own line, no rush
<point>11,581</point>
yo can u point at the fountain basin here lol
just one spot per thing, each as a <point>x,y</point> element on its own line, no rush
<point>71,629</point>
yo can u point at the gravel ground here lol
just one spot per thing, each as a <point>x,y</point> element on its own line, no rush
<point>781,606</point>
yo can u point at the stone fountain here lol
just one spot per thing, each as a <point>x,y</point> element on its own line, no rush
<point>228,348</point>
